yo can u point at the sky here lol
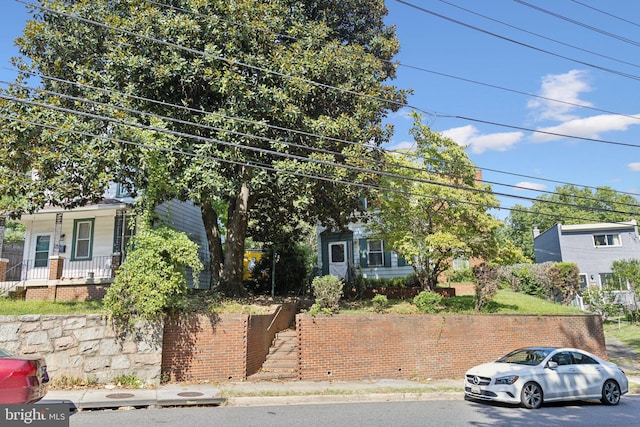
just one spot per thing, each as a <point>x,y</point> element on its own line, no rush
<point>489,74</point>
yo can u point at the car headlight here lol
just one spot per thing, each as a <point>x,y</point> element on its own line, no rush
<point>507,380</point>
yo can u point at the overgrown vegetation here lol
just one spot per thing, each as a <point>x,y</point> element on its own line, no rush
<point>327,291</point>
<point>152,281</point>
<point>379,303</point>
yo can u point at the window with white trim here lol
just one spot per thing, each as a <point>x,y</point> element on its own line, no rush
<point>606,240</point>
<point>82,239</point>
<point>375,253</point>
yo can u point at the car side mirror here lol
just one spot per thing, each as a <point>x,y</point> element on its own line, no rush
<point>552,365</point>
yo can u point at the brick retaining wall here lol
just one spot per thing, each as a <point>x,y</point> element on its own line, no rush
<point>357,347</point>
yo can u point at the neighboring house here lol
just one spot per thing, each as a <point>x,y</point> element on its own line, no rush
<point>351,252</point>
<point>87,244</point>
<point>592,247</point>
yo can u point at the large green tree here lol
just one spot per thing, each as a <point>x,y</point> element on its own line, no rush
<point>568,204</point>
<point>432,207</point>
<point>248,101</point>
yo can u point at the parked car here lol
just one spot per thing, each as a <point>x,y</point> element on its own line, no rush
<point>531,376</point>
<point>23,379</point>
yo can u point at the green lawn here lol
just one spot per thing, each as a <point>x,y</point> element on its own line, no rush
<point>18,307</point>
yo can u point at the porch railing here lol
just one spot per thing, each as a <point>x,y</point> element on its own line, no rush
<point>97,267</point>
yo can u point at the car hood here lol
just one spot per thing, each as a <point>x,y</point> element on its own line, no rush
<point>495,369</point>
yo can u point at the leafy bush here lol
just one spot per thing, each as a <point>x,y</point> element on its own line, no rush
<point>462,276</point>
<point>379,302</point>
<point>600,301</point>
<point>327,291</point>
<point>152,282</point>
<point>291,271</point>
<point>564,278</point>
<point>530,279</point>
<point>428,302</point>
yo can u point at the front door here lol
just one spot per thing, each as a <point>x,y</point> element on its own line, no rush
<point>338,265</point>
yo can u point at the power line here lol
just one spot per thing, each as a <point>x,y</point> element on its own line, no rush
<point>262,138</point>
<point>285,155</point>
<point>581,24</point>
<point>299,174</point>
<point>510,40</point>
<point>472,119</point>
<point>605,13</point>
<point>540,35</point>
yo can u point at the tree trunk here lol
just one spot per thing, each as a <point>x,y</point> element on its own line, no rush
<point>231,277</point>
<point>214,239</point>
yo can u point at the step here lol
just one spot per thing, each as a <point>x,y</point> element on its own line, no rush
<point>273,376</point>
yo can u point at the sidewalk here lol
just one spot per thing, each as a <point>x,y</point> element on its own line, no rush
<point>257,394</point>
<point>266,393</point>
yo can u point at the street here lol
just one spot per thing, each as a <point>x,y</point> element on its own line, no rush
<point>426,413</point>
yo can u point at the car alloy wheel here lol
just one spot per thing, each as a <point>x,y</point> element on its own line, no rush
<point>610,393</point>
<point>531,396</point>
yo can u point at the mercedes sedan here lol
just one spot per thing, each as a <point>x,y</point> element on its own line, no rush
<point>531,376</point>
<point>23,379</point>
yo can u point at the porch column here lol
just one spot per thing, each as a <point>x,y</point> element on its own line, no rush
<point>56,264</point>
<point>57,232</point>
<point>4,264</point>
<point>3,223</point>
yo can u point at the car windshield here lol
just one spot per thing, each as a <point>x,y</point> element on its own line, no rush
<point>525,356</point>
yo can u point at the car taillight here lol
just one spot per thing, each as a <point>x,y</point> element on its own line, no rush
<point>26,369</point>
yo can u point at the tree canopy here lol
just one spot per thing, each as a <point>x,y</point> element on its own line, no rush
<point>433,208</point>
<point>248,102</point>
<point>568,204</point>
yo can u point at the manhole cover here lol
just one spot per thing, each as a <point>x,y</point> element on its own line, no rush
<point>190,394</point>
<point>119,395</point>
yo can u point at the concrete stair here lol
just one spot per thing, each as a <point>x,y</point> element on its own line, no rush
<point>282,360</point>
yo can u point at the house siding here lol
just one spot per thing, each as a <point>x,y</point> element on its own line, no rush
<point>576,244</point>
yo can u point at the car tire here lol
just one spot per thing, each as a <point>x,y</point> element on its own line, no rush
<point>531,396</point>
<point>610,393</point>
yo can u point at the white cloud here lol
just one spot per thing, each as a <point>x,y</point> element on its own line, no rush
<point>525,185</point>
<point>589,127</point>
<point>634,167</point>
<point>470,136</point>
<point>562,87</point>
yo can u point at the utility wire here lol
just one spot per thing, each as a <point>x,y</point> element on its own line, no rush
<point>605,13</point>
<point>286,155</point>
<point>270,140</point>
<point>510,40</point>
<point>578,23</point>
<point>299,174</point>
<point>540,35</point>
<point>494,123</point>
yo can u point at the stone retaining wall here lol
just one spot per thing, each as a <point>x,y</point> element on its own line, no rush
<point>85,347</point>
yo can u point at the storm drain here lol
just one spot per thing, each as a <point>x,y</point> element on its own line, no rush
<point>190,394</point>
<point>119,395</point>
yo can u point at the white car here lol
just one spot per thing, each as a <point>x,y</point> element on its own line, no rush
<point>531,376</point>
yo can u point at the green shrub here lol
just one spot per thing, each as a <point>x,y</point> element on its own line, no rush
<point>128,381</point>
<point>152,281</point>
<point>428,302</point>
<point>462,276</point>
<point>327,291</point>
<point>380,303</point>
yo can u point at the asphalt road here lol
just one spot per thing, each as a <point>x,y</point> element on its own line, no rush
<point>426,413</point>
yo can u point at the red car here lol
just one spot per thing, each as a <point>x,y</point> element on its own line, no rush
<point>23,379</point>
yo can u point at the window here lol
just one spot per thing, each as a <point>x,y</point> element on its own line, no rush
<point>460,264</point>
<point>337,252</point>
<point>375,253</point>
<point>82,239</point>
<point>42,251</point>
<point>606,240</point>
<point>583,359</point>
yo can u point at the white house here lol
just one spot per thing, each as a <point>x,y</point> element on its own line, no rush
<point>87,244</point>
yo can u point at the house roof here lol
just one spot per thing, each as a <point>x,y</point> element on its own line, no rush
<point>603,226</point>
